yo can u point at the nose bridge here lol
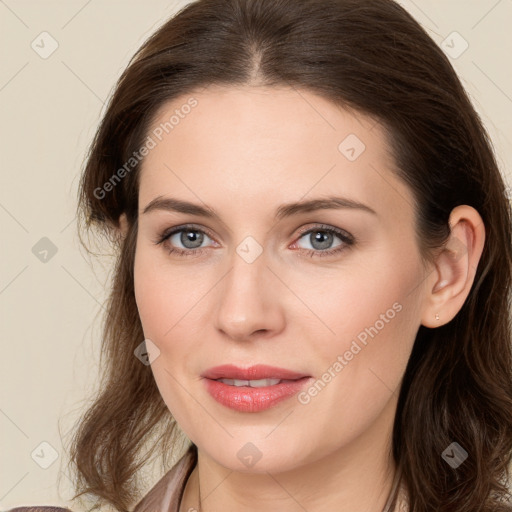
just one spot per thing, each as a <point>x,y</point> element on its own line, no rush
<point>247,301</point>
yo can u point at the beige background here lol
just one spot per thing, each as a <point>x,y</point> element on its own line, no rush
<point>50,108</point>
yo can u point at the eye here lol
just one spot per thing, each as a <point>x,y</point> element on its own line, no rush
<point>321,239</point>
<point>188,240</point>
<point>188,237</point>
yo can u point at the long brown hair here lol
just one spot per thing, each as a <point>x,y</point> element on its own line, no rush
<point>366,55</point>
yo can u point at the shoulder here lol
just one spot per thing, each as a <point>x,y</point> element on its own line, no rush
<point>42,508</point>
<point>167,493</point>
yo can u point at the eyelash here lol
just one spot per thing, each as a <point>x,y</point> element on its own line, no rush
<point>347,239</point>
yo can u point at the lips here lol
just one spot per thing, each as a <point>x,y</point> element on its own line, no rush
<point>252,389</point>
<point>256,372</point>
<point>249,399</point>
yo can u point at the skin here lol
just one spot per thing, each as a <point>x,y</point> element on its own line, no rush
<point>243,152</point>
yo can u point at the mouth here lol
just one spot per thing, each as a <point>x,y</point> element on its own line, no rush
<point>252,389</point>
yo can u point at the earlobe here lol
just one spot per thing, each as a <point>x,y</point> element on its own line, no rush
<point>450,282</point>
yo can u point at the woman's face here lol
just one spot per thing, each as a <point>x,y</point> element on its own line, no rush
<point>332,294</point>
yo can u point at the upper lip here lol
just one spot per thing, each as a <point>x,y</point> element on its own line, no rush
<point>256,372</point>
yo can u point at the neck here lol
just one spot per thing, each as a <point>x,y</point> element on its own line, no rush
<point>353,478</point>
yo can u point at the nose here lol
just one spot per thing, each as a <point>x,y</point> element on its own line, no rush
<point>249,302</point>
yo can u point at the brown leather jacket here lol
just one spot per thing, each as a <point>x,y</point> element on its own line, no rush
<point>165,496</point>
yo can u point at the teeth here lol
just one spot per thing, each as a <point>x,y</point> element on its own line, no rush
<point>251,383</point>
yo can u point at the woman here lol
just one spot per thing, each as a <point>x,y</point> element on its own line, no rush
<point>313,274</point>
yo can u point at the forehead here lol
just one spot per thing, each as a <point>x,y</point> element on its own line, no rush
<point>253,144</point>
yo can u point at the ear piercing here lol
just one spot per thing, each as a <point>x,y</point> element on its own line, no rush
<point>437,316</point>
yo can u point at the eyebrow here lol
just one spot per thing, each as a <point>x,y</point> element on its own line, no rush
<point>286,210</point>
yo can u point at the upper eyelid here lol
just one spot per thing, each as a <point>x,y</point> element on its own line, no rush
<point>191,227</point>
<point>325,227</point>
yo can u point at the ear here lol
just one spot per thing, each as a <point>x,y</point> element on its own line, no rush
<point>122,226</point>
<point>449,284</point>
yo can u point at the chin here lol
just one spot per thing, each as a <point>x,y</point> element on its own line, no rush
<point>258,456</point>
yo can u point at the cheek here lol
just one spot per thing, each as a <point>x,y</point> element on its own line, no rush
<point>154,295</point>
<point>375,320</point>
<point>171,306</point>
<point>150,296</point>
<point>163,294</point>
<point>372,316</point>
<point>162,304</point>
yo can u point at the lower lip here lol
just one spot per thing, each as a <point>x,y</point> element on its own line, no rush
<point>247,399</point>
